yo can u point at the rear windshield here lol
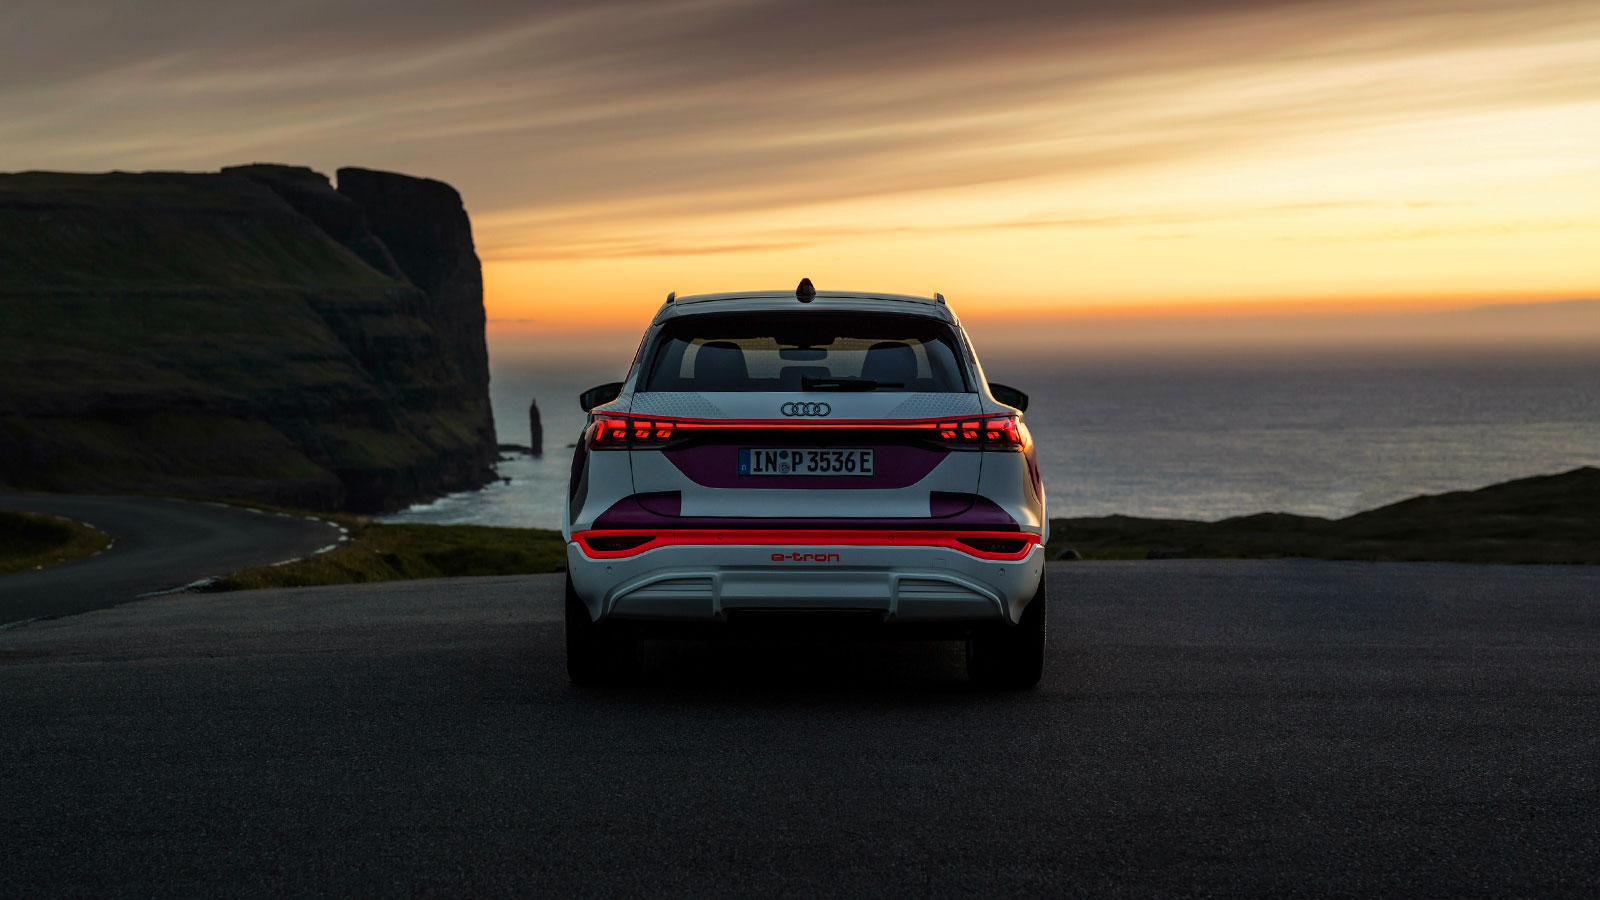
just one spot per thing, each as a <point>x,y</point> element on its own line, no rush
<point>794,351</point>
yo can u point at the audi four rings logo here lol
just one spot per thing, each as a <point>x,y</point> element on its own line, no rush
<point>805,409</point>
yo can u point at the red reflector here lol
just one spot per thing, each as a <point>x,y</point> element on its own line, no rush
<point>616,543</point>
<point>997,546</point>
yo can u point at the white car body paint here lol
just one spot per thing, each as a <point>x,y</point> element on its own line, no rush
<point>716,540</point>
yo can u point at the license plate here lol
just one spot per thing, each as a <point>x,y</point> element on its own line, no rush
<point>778,461</point>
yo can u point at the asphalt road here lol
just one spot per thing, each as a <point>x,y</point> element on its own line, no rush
<point>159,544</point>
<point>1205,728</point>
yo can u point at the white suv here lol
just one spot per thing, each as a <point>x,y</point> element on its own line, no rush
<point>806,458</point>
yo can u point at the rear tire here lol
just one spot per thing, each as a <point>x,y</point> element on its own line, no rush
<point>598,653</point>
<point>1011,657</point>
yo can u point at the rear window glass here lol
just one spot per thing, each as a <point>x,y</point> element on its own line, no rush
<point>785,351</point>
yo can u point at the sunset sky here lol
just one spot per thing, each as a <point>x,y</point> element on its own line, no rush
<point>1054,159</point>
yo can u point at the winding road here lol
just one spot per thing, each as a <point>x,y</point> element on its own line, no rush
<point>159,544</point>
<point>1204,728</point>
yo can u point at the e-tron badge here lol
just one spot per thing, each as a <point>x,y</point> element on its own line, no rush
<point>805,409</point>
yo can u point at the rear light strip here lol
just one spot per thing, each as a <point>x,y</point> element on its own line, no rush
<point>620,432</point>
<point>621,543</point>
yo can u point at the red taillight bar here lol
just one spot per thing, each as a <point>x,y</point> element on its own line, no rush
<point>618,432</point>
<point>949,540</point>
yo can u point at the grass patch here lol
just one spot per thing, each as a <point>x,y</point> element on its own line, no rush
<point>383,551</point>
<point>1545,519</point>
<point>30,541</point>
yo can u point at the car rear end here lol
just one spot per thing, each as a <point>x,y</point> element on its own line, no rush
<point>774,454</point>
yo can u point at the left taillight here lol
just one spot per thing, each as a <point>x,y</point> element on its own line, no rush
<point>622,432</point>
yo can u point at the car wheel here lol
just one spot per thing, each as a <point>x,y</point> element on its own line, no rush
<point>598,653</point>
<point>1010,656</point>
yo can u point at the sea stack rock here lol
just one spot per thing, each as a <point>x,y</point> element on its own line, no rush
<point>535,430</point>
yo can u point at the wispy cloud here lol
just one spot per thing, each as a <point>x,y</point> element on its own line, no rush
<point>626,246</point>
<point>764,130</point>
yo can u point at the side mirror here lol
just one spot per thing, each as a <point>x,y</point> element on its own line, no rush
<point>1009,395</point>
<point>599,396</point>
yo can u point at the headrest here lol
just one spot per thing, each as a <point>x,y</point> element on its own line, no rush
<point>720,363</point>
<point>890,361</point>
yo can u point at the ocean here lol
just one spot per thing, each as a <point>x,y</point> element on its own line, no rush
<point>1198,439</point>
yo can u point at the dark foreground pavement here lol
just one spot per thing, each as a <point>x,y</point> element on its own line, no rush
<point>1206,728</point>
<point>160,543</point>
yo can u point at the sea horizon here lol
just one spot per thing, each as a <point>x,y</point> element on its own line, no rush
<point>1206,436</point>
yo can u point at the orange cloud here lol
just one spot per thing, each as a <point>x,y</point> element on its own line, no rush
<point>1026,159</point>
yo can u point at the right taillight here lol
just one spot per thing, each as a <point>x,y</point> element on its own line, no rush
<point>1002,431</point>
<point>991,432</point>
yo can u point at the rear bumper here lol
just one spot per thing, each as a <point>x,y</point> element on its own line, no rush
<point>704,582</point>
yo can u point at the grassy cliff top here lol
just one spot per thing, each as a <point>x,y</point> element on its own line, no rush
<point>1543,519</point>
<point>162,231</point>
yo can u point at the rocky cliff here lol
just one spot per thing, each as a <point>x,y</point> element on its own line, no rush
<point>252,334</point>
